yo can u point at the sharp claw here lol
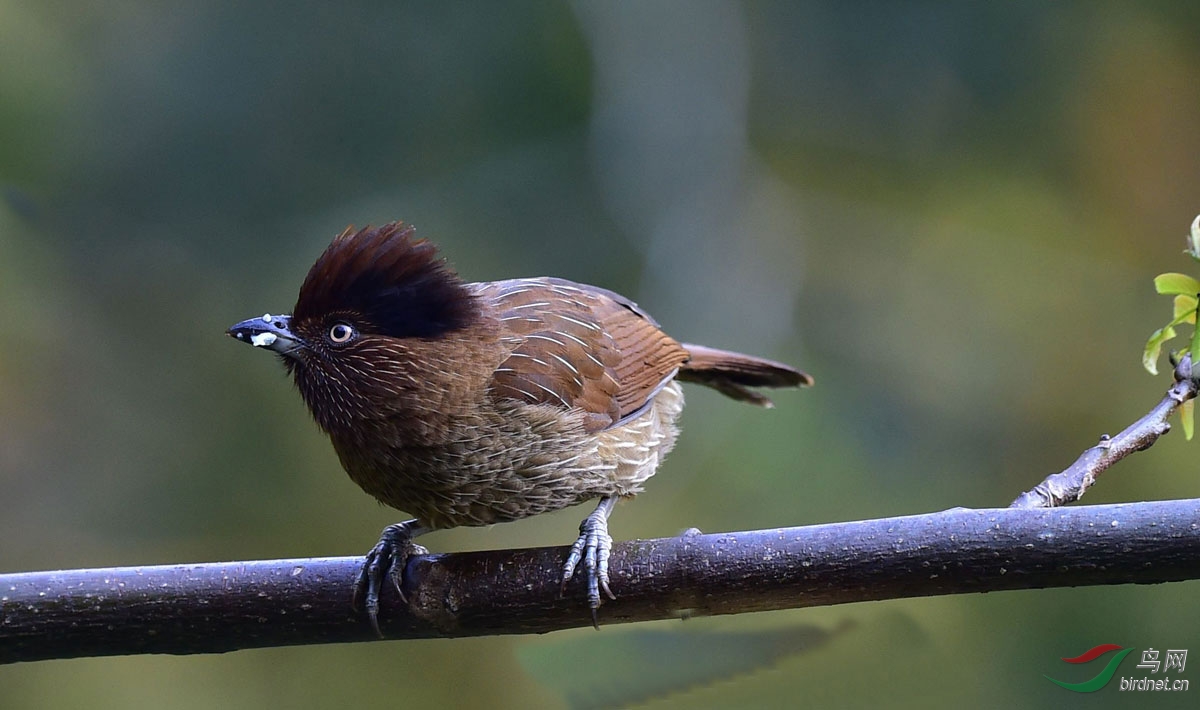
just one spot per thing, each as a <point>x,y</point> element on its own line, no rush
<point>360,588</point>
<point>373,614</point>
<point>387,559</point>
<point>602,573</point>
<point>396,572</point>
<point>573,560</point>
<point>365,591</point>
<point>591,551</point>
<point>593,581</point>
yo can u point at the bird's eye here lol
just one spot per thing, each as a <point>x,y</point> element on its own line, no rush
<point>341,333</point>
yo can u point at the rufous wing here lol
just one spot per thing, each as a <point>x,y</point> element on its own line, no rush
<point>581,347</point>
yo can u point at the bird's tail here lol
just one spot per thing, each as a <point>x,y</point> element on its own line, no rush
<point>733,374</point>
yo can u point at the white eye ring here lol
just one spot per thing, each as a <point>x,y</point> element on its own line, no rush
<point>341,333</point>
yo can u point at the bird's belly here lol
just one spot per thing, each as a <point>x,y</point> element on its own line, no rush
<point>517,461</point>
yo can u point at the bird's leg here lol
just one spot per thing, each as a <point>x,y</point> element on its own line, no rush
<point>592,548</point>
<point>387,559</point>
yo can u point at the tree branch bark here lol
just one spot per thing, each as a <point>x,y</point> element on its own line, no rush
<point>1072,482</point>
<point>207,608</point>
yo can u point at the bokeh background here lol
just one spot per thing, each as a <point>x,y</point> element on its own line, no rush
<point>949,213</point>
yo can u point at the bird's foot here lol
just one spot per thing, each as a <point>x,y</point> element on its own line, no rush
<point>592,548</point>
<point>386,561</point>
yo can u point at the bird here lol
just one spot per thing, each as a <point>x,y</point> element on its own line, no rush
<point>469,404</point>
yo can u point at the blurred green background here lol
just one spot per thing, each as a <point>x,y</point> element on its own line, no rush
<point>949,213</point>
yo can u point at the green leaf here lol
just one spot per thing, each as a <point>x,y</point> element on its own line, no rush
<point>1174,283</point>
<point>1154,348</point>
<point>1185,309</point>
<point>1185,418</point>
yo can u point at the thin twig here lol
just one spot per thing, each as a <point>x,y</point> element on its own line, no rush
<point>1069,485</point>
<point>208,608</point>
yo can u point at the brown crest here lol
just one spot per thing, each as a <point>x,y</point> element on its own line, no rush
<point>392,283</point>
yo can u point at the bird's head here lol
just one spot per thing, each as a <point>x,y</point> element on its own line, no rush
<point>348,340</point>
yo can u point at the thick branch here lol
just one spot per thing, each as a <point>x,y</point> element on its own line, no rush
<point>207,608</point>
<point>1069,485</point>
